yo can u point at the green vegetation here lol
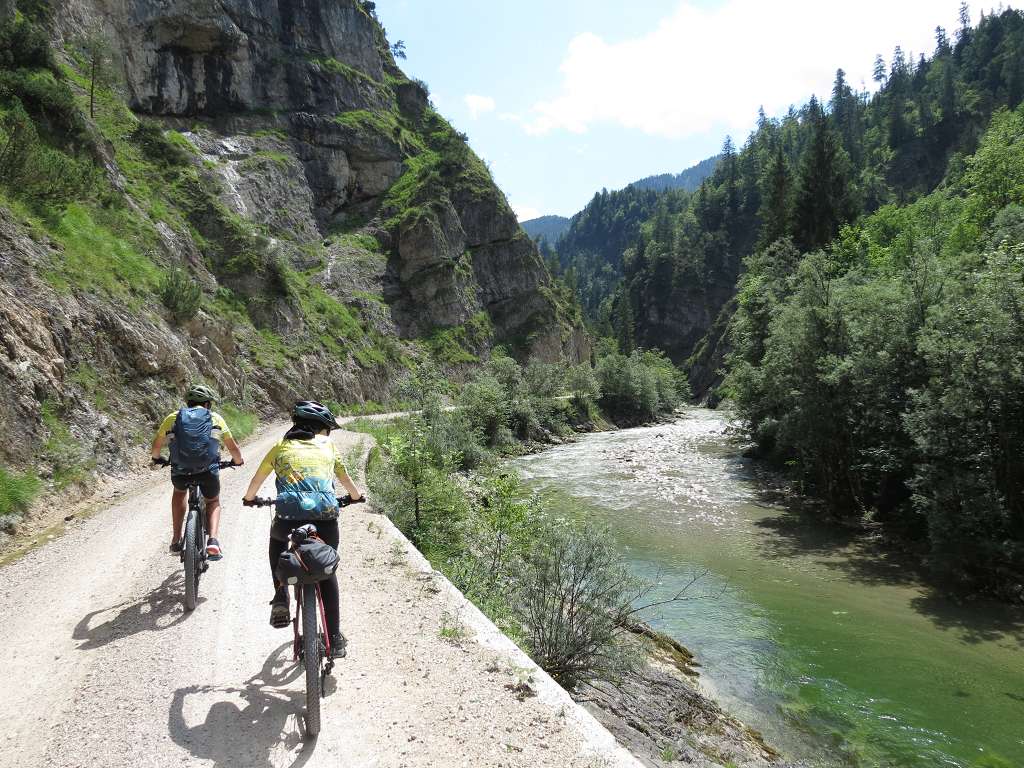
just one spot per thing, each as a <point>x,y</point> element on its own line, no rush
<point>447,166</point>
<point>62,451</point>
<point>96,259</point>
<point>266,156</point>
<point>556,587</point>
<point>382,123</point>
<point>89,379</point>
<point>359,240</point>
<point>242,423</point>
<point>885,370</point>
<point>177,139</point>
<point>17,491</point>
<point>336,67</point>
<point>181,295</point>
<point>461,343</point>
<point>637,388</point>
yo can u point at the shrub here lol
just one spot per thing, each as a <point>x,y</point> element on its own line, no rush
<point>24,44</point>
<point>582,385</point>
<point>17,491</point>
<point>544,379</point>
<point>452,439</point>
<point>487,408</point>
<point>560,590</point>
<point>32,169</point>
<point>639,387</point>
<point>47,99</point>
<point>170,149</point>
<point>574,595</point>
<point>242,423</point>
<point>181,295</point>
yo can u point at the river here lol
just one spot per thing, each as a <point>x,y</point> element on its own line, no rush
<point>825,642</point>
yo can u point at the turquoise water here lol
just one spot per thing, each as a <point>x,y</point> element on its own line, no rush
<point>829,645</point>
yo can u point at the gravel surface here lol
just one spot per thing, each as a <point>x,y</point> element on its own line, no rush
<point>103,667</point>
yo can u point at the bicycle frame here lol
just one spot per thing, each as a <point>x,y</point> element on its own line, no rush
<point>197,506</point>
<point>321,625</point>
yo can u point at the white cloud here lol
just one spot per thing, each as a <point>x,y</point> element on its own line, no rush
<point>479,105</point>
<point>525,212</point>
<point>703,68</point>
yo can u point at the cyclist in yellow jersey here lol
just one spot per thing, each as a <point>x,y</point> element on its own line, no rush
<point>215,434</point>
<point>306,463</point>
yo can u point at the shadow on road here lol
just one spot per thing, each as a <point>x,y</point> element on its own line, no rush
<point>160,609</point>
<point>257,725</point>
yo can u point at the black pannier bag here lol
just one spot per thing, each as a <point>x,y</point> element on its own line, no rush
<point>312,561</point>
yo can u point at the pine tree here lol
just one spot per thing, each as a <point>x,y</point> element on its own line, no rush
<point>729,174</point>
<point>625,327</point>
<point>846,116</point>
<point>963,35</point>
<point>898,86</point>
<point>879,71</point>
<point>777,206</point>
<point>823,200</point>
<point>664,233</point>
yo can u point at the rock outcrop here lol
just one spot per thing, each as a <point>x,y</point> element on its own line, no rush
<point>322,75</point>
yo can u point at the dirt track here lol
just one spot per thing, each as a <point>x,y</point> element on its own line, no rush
<point>102,666</point>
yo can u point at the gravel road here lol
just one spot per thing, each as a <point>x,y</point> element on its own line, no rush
<point>101,665</point>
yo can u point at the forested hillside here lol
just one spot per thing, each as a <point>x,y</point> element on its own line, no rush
<point>547,228</point>
<point>592,242</point>
<point>875,337</point>
<point>688,180</point>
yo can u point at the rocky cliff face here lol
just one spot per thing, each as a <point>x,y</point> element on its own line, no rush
<point>339,227</point>
<point>321,72</point>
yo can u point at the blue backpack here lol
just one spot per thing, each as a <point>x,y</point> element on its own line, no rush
<point>193,449</point>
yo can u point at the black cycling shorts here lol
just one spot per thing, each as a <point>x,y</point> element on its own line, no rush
<point>208,482</point>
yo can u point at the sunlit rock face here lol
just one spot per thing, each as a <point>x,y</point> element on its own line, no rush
<point>246,67</point>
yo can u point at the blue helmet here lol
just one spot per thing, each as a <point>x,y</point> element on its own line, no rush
<point>312,412</point>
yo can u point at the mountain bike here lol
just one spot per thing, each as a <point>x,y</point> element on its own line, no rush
<point>311,641</point>
<point>193,545</point>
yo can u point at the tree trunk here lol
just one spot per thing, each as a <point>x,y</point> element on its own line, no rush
<point>92,90</point>
<point>416,494</point>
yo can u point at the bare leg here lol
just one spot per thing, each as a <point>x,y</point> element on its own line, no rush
<point>178,512</point>
<point>213,516</point>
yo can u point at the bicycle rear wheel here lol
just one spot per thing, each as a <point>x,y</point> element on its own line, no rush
<point>192,563</point>
<point>312,657</point>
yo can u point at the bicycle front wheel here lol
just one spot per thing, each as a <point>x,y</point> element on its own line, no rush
<point>312,656</point>
<point>191,557</point>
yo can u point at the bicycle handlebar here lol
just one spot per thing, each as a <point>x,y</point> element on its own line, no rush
<point>162,462</point>
<point>343,501</point>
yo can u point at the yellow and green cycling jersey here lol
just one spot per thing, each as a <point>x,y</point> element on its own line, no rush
<point>305,472</point>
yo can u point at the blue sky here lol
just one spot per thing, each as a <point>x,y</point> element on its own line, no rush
<point>562,98</point>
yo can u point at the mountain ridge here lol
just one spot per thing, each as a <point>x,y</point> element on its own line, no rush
<point>552,227</point>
